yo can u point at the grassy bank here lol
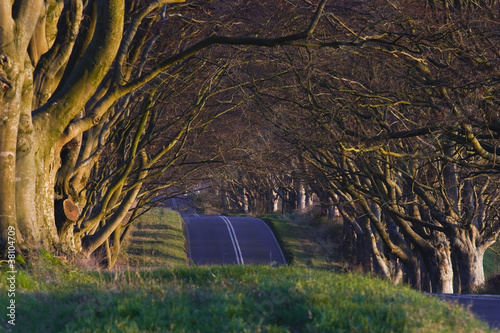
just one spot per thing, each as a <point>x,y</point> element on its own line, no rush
<point>492,260</point>
<point>492,269</point>
<point>156,241</point>
<point>55,295</point>
<point>61,298</point>
<point>309,242</point>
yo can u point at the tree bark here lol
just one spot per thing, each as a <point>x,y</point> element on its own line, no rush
<point>66,215</point>
<point>468,254</point>
<point>439,265</point>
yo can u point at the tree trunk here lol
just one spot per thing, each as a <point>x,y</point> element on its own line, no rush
<point>113,246</point>
<point>439,266</point>
<point>66,215</point>
<point>30,231</point>
<point>413,272</point>
<point>381,262</point>
<point>301,197</point>
<point>468,259</point>
<point>46,175</point>
<point>244,201</point>
<point>11,83</point>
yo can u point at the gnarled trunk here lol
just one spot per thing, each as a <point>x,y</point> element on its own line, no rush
<point>468,253</point>
<point>439,265</point>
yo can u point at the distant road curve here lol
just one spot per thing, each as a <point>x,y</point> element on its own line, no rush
<point>223,240</point>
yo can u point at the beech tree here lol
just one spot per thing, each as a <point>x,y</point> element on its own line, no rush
<point>70,72</point>
<point>392,104</point>
<point>403,131</point>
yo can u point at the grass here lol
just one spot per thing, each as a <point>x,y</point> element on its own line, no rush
<point>54,295</point>
<point>156,241</point>
<point>308,242</point>
<point>224,299</point>
<point>492,269</point>
<point>492,260</point>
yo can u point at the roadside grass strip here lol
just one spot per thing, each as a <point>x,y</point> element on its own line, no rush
<point>306,244</point>
<point>156,241</point>
<point>227,299</point>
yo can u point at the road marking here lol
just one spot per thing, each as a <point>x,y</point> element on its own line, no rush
<point>275,240</point>
<point>174,203</point>
<point>234,240</point>
<point>196,215</point>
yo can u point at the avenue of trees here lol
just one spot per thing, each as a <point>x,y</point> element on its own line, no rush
<point>398,129</point>
<point>97,102</point>
<point>387,110</point>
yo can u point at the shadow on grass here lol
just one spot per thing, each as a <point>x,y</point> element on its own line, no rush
<point>236,299</point>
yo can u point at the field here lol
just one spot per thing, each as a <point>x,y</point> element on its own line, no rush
<point>492,261</point>
<point>310,241</point>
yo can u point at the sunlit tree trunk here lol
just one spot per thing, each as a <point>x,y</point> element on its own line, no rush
<point>468,254</point>
<point>15,118</point>
<point>301,197</point>
<point>29,155</point>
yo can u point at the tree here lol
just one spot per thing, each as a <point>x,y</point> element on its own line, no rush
<point>403,131</point>
<point>69,72</point>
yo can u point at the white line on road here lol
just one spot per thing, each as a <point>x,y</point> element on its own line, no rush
<point>234,240</point>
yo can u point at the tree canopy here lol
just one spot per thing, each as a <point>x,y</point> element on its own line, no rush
<point>385,109</point>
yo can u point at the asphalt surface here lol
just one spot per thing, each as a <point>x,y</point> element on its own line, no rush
<point>484,307</point>
<point>224,240</point>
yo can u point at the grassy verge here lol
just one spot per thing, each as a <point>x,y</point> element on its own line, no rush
<point>222,299</point>
<point>52,295</point>
<point>492,269</point>
<point>311,242</point>
<point>492,260</point>
<point>156,241</point>
<point>308,244</point>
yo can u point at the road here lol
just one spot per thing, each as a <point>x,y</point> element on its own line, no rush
<point>485,307</point>
<point>224,240</point>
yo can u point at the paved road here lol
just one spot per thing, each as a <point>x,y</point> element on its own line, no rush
<point>485,307</point>
<point>224,240</point>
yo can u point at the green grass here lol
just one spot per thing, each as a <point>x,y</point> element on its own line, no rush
<point>53,295</point>
<point>309,241</point>
<point>492,261</point>
<point>492,269</point>
<point>308,244</point>
<point>156,241</point>
<point>225,299</point>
